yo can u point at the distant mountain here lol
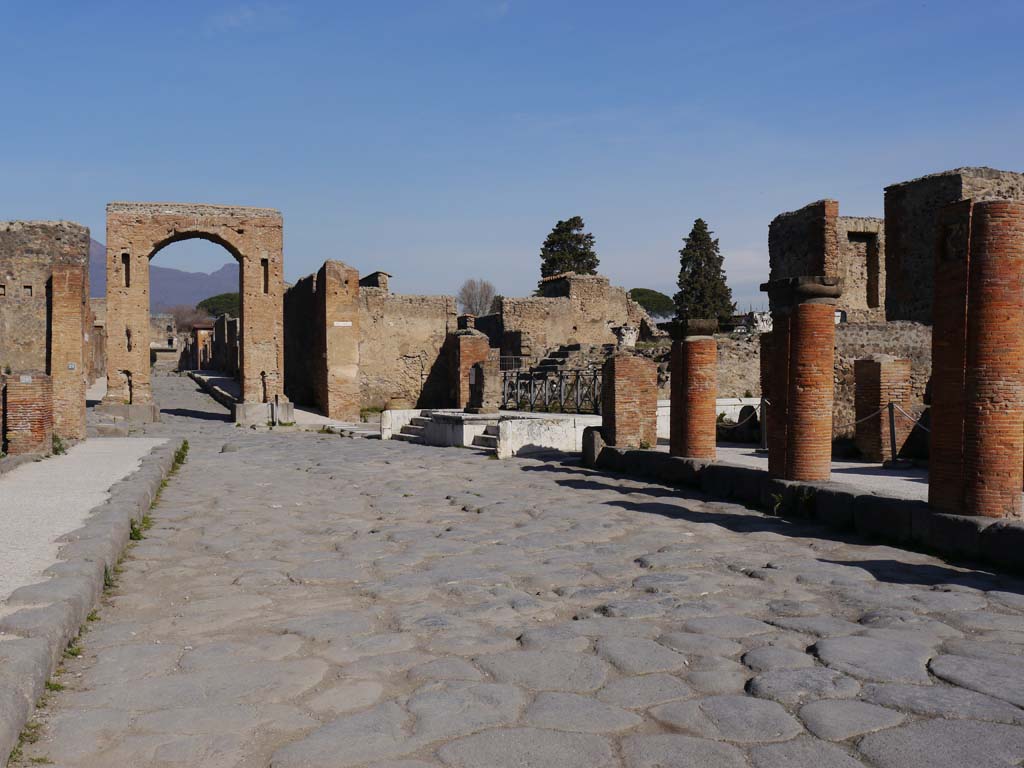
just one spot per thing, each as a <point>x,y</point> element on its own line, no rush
<point>169,287</point>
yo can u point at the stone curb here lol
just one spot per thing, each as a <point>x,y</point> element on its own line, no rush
<point>50,614</point>
<point>907,523</point>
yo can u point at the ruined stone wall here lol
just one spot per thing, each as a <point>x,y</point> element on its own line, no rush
<point>738,366</point>
<point>224,345</point>
<point>400,343</point>
<point>163,331</point>
<point>739,363</point>
<point>575,309</point>
<point>862,268</point>
<point>805,242</point>
<point>911,222</point>
<point>44,312</point>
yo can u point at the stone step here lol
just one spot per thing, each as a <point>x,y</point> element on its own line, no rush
<point>487,442</point>
<point>408,438</point>
<point>413,430</point>
<point>108,430</point>
<point>491,429</point>
<point>419,421</point>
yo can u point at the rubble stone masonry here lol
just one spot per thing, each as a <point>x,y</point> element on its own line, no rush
<point>400,347</point>
<point>629,407</point>
<point>911,223</point>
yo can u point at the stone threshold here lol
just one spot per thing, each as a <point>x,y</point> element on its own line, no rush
<point>907,523</point>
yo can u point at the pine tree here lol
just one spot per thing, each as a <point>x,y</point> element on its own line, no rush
<point>703,292</point>
<point>568,249</point>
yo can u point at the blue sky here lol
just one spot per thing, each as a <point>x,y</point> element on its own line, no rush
<point>442,140</point>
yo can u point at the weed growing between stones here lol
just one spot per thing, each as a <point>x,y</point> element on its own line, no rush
<point>58,445</point>
<point>136,532</point>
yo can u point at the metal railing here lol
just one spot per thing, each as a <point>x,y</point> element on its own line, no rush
<point>551,391</point>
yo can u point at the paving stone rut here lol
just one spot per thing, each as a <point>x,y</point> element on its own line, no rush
<point>309,600</point>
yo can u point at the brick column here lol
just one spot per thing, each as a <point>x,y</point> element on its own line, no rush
<point>949,358</point>
<point>467,348</point>
<point>67,361</point>
<point>694,390</point>
<point>994,412</point>
<point>28,414</point>
<point>811,388</point>
<point>629,401</point>
<point>878,381</point>
<point>775,388</point>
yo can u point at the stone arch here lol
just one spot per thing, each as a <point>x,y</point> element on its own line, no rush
<point>136,232</point>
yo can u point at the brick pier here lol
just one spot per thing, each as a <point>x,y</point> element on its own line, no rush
<point>694,389</point>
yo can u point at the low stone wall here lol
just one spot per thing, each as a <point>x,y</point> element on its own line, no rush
<point>520,437</point>
<point>904,522</point>
<point>45,617</point>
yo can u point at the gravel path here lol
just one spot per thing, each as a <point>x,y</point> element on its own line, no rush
<point>43,500</point>
<point>310,601</point>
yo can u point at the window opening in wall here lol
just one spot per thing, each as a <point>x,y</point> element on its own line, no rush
<point>3,290</point>
<point>27,291</point>
<point>265,266</point>
<point>126,268</point>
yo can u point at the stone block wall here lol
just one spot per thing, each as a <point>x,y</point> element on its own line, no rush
<point>629,401</point>
<point>911,223</point>
<point>27,413</point>
<point>400,347</point>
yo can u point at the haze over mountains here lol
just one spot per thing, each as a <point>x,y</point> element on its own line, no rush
<point>169,287</point>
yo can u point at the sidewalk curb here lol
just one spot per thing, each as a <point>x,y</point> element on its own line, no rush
<point>50,613</point>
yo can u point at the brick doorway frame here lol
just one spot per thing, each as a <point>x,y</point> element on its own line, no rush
<point>136,232</point>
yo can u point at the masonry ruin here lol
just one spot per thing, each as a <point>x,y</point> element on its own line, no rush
<point>45,321</point>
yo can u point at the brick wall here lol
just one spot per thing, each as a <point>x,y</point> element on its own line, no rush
<point>68,367</point>
<point>880,380</point>
<point>27,413</point>
<point>949,356</point>
<point>629,408</point>
<point>466,348</point>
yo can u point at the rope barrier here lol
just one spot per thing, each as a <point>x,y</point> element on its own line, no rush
<point>916,422</point>
<point>739,424</point>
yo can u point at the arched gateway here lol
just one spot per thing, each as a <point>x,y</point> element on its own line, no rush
<point>136,232</point>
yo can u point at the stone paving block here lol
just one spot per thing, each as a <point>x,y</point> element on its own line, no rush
<point>677,751</point>
<point>834,507</point>
<point>1002,542</point>
<point>885,519</point>
<point>945,744</point>
<point>519,747</point>
<point>839,720</point>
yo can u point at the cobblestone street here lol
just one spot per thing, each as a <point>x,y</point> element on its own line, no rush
<point>309,601</point>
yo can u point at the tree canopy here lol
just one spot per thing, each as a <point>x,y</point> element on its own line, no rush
<point>221,304</point>
<point>703,292</point>
<point>655,303</point>
<point>568,248</point>
<point>476,297</point>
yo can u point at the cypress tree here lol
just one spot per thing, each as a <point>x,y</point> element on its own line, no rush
<point>568,248</point>
<point>703,292</point>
